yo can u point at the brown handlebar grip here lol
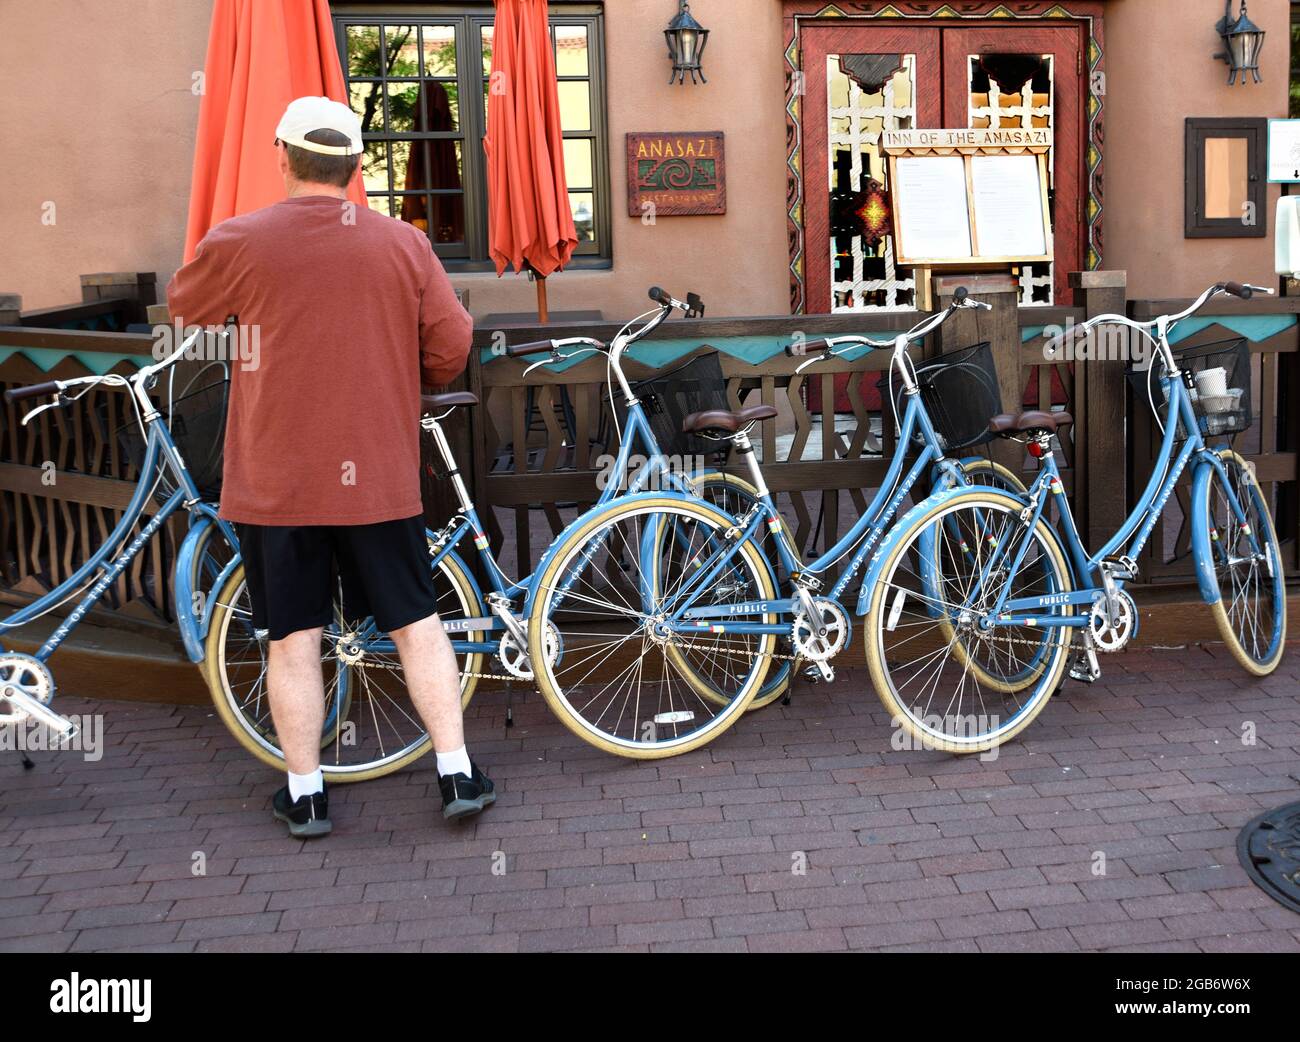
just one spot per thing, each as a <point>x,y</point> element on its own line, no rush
<point>532,348</point>
<point>808,347</point>
<point>17,394</point>
<point>1238,290</point>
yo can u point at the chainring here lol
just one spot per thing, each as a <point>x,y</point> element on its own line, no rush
<point>1107,638</point>
<point>28,675</point>
<point>807,644</point>
<point>515,659</point>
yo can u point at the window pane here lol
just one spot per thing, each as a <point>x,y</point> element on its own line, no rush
<point>374,167</point>
<point>381,204</point>
<point>364,99</point>
<point>486,41</point>
<point>441,107</point>
<point>403,55</point>
<point>583,205</point>
<point>441,216</point>
<point>571,50</point>
<point>363,50</point>
<point>575,106</point>
<point>1227,177</point>
<point>439,50</point>
<point>577,162</point>
<point>427,164</point>
<point>402,101</point>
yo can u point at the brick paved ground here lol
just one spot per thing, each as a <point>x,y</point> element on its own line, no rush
<point>904,850</point>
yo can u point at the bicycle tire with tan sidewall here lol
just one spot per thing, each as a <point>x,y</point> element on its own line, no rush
<point>213,669</point>
<point>579,537</point>
<point>1050,679</point>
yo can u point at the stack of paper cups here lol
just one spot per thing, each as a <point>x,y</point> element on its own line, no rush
<point>1212,381</point>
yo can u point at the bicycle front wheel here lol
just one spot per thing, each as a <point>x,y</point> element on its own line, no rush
<point>603,654</point>
<point>371,725</point>
<point>1247,566</point>
<point>949,679</point>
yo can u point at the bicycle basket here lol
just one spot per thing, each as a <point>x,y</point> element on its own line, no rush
<point>960,392</point>
<point>197,422</point>
<point>1217,413</point>
<point>669,397</point>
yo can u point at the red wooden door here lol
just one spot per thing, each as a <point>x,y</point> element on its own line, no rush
<point>824,49</point>
<point>1036,75</point>
<point>981,75</point>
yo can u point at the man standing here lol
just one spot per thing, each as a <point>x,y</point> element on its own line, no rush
<point>354,313</point>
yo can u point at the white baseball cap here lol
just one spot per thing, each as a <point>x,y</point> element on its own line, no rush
<point>307,114</point>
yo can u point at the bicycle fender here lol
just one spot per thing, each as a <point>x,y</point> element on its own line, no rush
<point>592,512</point>
<point>193,631</point>
<point>900,527</point>
<point>1202,545</point>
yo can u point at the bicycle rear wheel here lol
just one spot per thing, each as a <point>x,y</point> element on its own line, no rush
<point>371,725</point>
<point>1247,566</point>
<point>613,676</point>
<point>950,682</point>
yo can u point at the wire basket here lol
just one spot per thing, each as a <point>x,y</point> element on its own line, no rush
<point>1220,402</point>
<point>669,397</point>
<point>960,391</point>
<point>197,421</point>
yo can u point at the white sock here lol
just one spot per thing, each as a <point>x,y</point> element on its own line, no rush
<point>454,762</point>
<point>305,784</point>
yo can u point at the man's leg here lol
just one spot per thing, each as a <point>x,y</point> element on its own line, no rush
<point>289,575</point>
<point>297,692</point>
<point>429,666</point>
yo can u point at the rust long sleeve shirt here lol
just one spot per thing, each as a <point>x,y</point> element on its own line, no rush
<point>343,314</point>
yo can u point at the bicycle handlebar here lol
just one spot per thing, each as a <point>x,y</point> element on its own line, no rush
<point>961,300</point>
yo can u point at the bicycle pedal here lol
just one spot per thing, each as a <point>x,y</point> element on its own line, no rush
<point>1120,567</point>
<point>1085,667</point>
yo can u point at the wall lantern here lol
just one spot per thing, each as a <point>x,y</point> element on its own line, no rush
<point>1242,42</point>
<point>686,39</point>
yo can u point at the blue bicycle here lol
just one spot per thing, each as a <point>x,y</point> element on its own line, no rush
<point>975,599</point>
<point>668,590</point>
<point>166,484</point>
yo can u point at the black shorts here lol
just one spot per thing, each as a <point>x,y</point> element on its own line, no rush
<point>295,573</point>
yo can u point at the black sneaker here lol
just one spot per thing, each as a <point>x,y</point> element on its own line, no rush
<point>463,795</point>
<point>308,816</point>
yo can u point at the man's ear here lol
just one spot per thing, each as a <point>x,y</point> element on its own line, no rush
<point>282,159</point>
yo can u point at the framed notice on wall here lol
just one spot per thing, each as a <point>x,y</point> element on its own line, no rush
<point>969,196</point>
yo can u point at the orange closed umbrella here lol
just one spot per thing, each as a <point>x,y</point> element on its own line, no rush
<point>261,55</point>
<point>530,225</point>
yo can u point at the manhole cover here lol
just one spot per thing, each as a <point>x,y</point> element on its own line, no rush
<point>1269,849</point>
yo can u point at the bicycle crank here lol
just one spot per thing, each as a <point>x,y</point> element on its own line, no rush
<point>26,690</point>
<point>515,658</point>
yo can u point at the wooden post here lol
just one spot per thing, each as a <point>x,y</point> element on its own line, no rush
<point>1101,467</point>
<point>140,286</point>
<point>11,307</point>
<point>1001,327</point>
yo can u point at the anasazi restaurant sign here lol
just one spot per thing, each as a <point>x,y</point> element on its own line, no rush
<point>676,174</point>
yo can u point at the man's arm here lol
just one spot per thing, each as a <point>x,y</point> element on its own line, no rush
<point>199,292</point>
<point>445,328</point>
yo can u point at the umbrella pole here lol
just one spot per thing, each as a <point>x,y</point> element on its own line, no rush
<point>541,299</point>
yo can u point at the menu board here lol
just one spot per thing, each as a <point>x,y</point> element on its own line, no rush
<point>973,195</point>
<point>935,222</point>
<point>1008,212</point>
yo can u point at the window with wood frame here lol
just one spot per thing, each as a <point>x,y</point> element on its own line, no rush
<point>1225,183</point>
<point>417,76</point>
